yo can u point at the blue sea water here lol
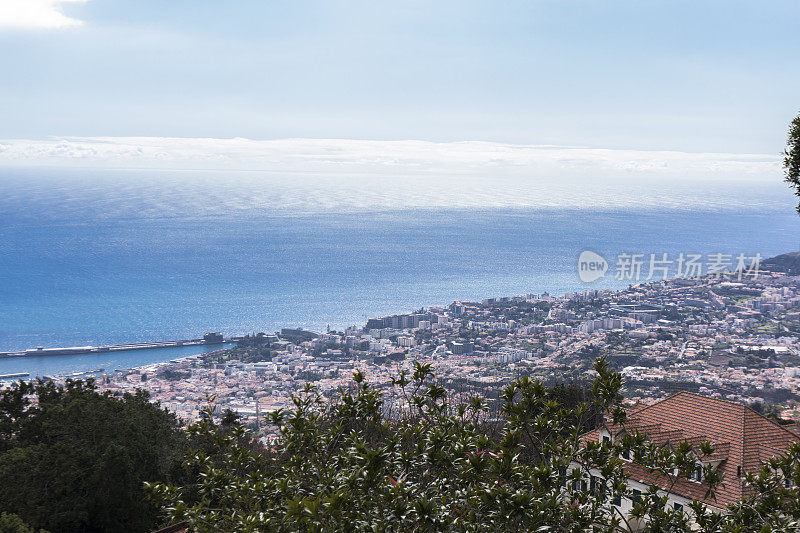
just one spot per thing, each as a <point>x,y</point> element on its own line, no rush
<point>120,258</point>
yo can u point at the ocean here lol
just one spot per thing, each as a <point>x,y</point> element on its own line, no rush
<point>104,257</point>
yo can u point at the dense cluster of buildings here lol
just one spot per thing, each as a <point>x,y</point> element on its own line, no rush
<point>714,336</point>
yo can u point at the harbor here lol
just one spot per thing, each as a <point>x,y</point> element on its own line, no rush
<point>93,360</point>
<point>208,339</point>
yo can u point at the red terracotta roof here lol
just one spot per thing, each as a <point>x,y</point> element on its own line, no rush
<point>740,436</point>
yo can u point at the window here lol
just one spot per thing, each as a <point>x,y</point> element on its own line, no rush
<point>637,495</point>
<point>606,438</point>
<point>678,507</point>
<point>617,500</point>
<point>597,486</point>
<point>698,473</point>
<point>626,454</point>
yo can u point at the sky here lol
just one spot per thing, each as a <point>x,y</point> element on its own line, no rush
<point>688,77</point>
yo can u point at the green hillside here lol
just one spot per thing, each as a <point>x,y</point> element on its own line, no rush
<point>788,263</point>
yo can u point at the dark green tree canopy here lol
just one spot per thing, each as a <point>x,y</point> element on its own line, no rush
<point>791,161</point>
<point>72,459</point>
<point>437,462</point>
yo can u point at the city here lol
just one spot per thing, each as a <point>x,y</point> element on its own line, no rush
<point>718,336</point>
<point>399,266</point>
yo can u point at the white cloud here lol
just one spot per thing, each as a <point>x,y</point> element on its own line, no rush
<point>344,156</point>
<point>32,14</point>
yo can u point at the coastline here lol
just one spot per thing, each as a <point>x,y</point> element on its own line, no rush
<point>245,279</point>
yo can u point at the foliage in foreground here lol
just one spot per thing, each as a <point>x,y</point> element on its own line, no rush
<point>791,161</point>
<point>72,459</point>
<point>442,465</point>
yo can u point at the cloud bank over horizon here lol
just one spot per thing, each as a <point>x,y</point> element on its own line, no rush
<point>401,157</point>
<point>188,177</point>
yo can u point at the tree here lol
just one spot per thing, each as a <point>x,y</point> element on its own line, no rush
<point>76,460</point>
<point>434,463</point>
<point>791,163</point>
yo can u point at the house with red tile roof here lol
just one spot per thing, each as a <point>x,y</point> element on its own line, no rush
<point>742,442</point>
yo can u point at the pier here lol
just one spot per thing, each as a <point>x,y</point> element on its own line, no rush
<point>208,339</point>
<point>16,375</point>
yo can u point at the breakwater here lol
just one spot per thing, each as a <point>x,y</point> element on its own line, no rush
<point>70,364</point>
<point>208,339</point>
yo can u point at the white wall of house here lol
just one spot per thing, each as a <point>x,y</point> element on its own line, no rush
<point>626,504</point>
